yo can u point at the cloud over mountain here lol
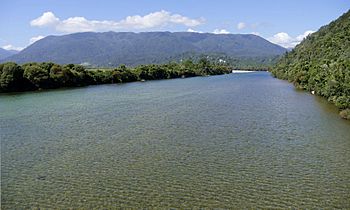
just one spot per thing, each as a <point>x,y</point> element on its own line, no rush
<point>285,40</point>
<point>81,24</point>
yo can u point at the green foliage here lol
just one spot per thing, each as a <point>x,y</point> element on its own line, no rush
<point>123,74</point>
<point>57,75</point>
<point>11,76</point>
<point>31,76</point>
<point>321,63</point>
<point>46,66</point>
<point>36,75</point>
<point>243,62</point>
<point>102,76</point>
<point>152,72</point>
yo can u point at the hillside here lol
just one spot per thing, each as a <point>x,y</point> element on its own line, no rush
<point>321,63</point>
<point>6,53</point>
<point>113,48</point>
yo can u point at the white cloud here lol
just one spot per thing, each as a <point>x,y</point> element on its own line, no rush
<point>35,38</point>
<point>304,35</point>
<point>81,24</point>
<point>241,25</point>
<point>282,39</point>
<point>255,33</point>
<point>287,41</point>
<point>46,19</point>
<point>11,47</point>
<point>221,31</point>
<point>31,41</point>
<point>193,31</point>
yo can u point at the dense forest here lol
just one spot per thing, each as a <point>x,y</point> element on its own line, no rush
<point>321,64</point>
<point>47,75</point>
<point>111,49</point>
<point>243,63</point>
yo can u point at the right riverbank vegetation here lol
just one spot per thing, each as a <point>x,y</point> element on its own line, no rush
<point>47,75</point>
<point>321,64</point>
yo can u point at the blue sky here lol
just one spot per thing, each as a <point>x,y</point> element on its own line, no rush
<point>284,22</point>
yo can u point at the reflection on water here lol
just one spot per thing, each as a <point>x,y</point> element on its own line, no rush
<point>238,140</point>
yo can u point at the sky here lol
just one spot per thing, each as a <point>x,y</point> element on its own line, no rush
<point>284,22</point>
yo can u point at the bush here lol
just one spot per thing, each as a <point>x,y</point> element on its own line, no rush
<point>342,102</point>
<point>37,76</point>
<point>345,114</point>
<point>11,78</point>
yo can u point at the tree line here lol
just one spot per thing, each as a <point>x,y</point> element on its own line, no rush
<point>48,75</point>
<point>321,64</point>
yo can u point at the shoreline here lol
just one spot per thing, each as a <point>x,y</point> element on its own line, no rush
<point>43,76</point>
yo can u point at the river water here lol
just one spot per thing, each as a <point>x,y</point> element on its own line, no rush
<point>229,141</point>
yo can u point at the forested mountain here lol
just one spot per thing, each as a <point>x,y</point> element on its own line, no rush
<point>6,53</point>
<point>110,49</point>
<point>321,63</point>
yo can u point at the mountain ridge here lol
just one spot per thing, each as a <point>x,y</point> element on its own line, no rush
<point>115,48</point>
<point>6,53</point>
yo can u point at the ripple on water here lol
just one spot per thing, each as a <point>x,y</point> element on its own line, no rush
<point>231,141</point>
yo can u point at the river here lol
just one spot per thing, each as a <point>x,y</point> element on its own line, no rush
<point>229,141</point>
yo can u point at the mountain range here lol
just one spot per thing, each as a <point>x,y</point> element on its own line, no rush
<point>115,48</point>
<point>6,53</point>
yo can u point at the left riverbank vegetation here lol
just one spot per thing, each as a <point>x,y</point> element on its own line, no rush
<point>47,75</point>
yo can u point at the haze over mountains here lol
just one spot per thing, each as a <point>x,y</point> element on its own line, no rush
<point>6,53</point>
<point>115,48</point>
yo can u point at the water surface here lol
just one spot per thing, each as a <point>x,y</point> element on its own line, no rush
<point>230,141</point>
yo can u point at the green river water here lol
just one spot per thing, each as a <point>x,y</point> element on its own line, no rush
<point>231,141</point>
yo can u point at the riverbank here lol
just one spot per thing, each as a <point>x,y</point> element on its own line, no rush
<point>38,76</point>
<point>344,111</point>
<point>320,64</point>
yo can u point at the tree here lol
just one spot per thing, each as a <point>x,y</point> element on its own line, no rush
<point>57,76</point>
<point>11,78</point>
<point>321,63</point>
<point>38,76</point>
<point>49,75</point>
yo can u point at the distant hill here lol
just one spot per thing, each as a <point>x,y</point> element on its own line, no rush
<point>115,48</point>
<point>321,63</point>
<point>6,53</point>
